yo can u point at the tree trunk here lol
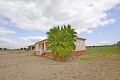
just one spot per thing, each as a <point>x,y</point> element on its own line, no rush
<point>61,59</point>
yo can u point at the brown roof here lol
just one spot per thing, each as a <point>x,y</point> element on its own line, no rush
<point>31,45</point>
<point>81,38</point>
<point>46,40</point>
<point>41,41</point>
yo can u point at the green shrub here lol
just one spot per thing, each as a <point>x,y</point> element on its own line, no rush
<point>118,45</point>
<point>27,49</point>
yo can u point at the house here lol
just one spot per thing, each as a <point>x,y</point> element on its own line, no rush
<point>32,48</point>
<point>40,48</point>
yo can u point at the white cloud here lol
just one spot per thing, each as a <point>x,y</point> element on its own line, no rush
<point>4,40</point>
<point>89,31</point>
<point>99,43</point>
<point>110,21</point>
<point>4,31</point>
<point>105,42</point>
<point>44,14</point>
<point>21,42</point>
<point>3,22</point>
<point>32,39</point>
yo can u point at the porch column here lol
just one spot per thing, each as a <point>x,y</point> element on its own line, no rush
<point>40,48</point>
<point>31,47</point>
<point>44,46</point>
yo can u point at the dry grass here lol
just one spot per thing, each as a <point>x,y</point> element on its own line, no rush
<point>23,66</point>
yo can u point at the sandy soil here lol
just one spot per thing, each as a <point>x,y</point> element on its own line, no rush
<point>24,66</point>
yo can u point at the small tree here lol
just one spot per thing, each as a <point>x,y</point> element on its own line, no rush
<point>118,45</point>
<point>21,48</point>
<point>61,42</point>
<point>27,49</point>
<point>24,48</point>
<point>4,48</point>
<point>0,48</point>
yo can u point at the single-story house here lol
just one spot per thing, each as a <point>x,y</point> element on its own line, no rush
<point>40,48</point>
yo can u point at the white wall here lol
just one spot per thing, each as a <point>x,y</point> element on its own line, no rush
<point>80,45</point>
<point>36,47</point>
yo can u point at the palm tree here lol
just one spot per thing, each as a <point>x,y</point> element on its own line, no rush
<point>61,42</point>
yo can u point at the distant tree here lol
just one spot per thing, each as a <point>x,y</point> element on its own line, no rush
<point>4,49</point>
<point>24,48</point>
<point>118,45</point>
<point>27,49</point>
<point>61,42</point>
<point>21,48</point>
<point>93,45</point>
<point>7,49</point>
<point>0,48</point>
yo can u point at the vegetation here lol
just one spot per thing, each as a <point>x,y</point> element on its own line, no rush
<point>87,59</point>
<point>26,49</point>
<point>112,49</point>
<point>118,45</point>
<point>4,49</point>
<point>61,42</point>
<point>21,48</point>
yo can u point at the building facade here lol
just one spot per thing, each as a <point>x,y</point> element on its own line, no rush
<point>40,48</point>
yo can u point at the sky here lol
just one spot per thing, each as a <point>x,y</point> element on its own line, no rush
<point>24,22</point>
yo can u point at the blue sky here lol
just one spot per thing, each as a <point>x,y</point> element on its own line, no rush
<point>23,23</point>
<point>108,34</point>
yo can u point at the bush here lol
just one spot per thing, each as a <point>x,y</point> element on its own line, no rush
<point>4,48</point>
<point>26,49</point>
<point>118,45</point>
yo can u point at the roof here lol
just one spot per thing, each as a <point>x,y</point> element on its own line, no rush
<point>81,38</point>
<point>46,40</point>
<point>31,45</point>
<point>41,41</point>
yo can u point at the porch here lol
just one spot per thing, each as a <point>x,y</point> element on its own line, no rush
<point>41,47</point>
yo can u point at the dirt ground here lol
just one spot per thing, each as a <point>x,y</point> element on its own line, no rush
<point>24,66</point>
